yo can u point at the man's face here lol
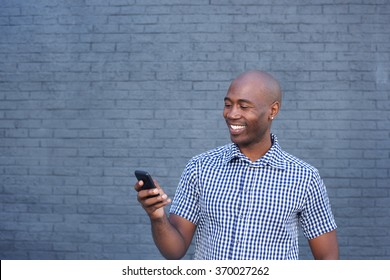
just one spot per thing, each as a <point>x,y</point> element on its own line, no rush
<point>247,113</point>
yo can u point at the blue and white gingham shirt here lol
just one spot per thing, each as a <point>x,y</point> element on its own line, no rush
<point>251,210</point>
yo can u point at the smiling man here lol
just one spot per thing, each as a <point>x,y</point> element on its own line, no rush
<point>252,102</point>
<point>247,199</point>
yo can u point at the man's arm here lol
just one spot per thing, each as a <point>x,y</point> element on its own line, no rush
<point>172,235</point>
<point>325,246</point>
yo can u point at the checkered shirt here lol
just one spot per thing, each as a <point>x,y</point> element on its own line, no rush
<point>251,210</point>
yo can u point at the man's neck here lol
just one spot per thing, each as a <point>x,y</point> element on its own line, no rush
<point>258,150</point>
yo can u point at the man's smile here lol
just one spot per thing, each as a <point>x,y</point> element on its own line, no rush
<point>236,128</point>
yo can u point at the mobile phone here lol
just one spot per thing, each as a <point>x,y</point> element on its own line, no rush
<point>146,178</point>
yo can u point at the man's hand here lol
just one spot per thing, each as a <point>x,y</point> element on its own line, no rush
<point>152,200</point>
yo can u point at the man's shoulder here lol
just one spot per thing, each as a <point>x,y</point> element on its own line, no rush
<point>294,162</point>
<point>218,153</point>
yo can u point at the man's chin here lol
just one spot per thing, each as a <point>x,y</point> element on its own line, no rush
<point>237,140</point>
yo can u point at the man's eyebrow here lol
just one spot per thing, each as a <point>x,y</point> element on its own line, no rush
<point>244,101</point>
<point>239,100</point>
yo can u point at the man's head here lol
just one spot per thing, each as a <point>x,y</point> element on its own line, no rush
<point>251,103</point>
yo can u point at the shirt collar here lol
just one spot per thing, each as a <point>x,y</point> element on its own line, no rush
<point>274,156</point>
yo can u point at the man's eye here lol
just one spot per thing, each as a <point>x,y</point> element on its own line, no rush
<point>228,105</point>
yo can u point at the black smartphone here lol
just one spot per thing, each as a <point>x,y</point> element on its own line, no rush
<point>146,178</point>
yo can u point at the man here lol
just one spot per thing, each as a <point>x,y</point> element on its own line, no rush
<point>245,200</point>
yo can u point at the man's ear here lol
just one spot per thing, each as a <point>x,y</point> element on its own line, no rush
<point>275,107</point>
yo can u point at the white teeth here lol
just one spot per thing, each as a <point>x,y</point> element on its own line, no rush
<point>236,127</point>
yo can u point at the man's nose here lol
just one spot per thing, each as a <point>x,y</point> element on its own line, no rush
<point>234,113</point>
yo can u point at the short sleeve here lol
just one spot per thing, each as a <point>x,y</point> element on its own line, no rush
<point>317,217</point>
<point>186,201</point>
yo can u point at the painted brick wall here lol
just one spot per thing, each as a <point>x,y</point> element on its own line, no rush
<point>92,89</point>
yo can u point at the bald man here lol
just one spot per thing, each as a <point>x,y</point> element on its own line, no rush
<point>247,199</point>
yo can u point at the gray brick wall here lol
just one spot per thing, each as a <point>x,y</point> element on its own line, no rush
<point>92,89</point>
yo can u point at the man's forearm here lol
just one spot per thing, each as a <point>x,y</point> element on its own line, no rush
<point>168,239</point>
